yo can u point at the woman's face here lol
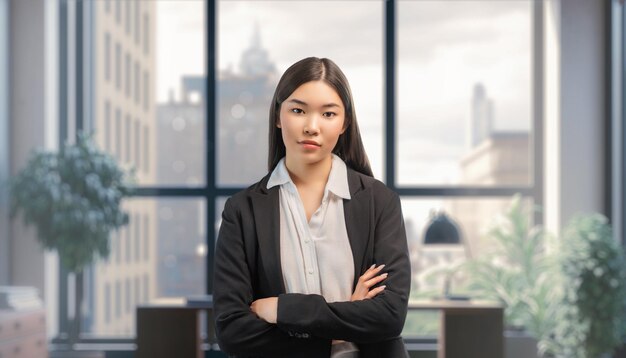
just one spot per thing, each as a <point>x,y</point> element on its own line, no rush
<point>311,119</point>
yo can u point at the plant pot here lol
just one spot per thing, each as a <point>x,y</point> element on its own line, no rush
<point>519,344</point>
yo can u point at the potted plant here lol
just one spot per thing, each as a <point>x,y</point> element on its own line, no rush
<point>72,197</point>
<point>571,299</point>
<point>590,319</point>
<point>517,271</point>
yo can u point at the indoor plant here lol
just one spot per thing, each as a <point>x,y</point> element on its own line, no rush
<point>72,197</point>
<point>518,271</point>
<point>571,298</point>
<point>591,305</point>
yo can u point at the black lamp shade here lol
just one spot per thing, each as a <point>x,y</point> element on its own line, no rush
<point>442,230</point>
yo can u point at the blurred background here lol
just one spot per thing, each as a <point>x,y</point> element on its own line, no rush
<point>461,105</point>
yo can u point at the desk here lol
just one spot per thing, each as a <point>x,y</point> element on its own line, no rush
<point>469,329</point>
<point>171,328</point>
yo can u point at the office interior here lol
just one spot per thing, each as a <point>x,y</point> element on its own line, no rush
<point>467,109</point>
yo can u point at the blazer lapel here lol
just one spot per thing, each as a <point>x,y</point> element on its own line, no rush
<point>357,216</point>
<point>266,208</point>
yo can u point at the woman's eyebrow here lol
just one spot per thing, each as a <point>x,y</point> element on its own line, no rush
<point>295,100</point>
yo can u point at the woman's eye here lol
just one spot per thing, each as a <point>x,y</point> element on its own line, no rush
<point>330,114</point>
<point>296,110</point>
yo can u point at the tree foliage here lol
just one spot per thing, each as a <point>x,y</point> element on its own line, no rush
<point>73,199</point>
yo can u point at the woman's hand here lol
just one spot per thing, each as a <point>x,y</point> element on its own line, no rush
<point>266,309</point>
<point>366,281</point>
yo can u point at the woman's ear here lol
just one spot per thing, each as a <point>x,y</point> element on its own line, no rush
<point>277,117</point>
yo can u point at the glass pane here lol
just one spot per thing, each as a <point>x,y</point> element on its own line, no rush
<point>253,53</point>
<point>437,263</point>
<point>149,101</point>
<point>161,253</point>
<point>464,93</point>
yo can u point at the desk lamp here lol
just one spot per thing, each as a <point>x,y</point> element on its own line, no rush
<point>442,230</point>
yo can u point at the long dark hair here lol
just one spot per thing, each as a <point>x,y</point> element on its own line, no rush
<point>349,146</point>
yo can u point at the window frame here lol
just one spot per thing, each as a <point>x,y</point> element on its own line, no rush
<point>71,95</point>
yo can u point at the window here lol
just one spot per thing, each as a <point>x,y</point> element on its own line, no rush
<point>138,299</point>
<point>118,299</point>
<point>107,303</point>
<point>118,66</point>
<point>146,287</point>
<point>460,110</point>
<point>128,136</point>
<point>128,247</point>
<point>137,74</point>
<point>128,16</point>
<point>118,134</point>
<point>464,126</point>
<point>137,236</point>
<point>118,12</point>
<point>107,126</point>
<point>146,91</point>
<point>146,240</point>
<point>127,76</point>
<point>464,104</point>
<point>253,56</point>
<point>146,149</point>
<point>137,142</point>
<point>128,291</point>
<point>146,34</point>
<point>107,56</point>
<point>137,21</point>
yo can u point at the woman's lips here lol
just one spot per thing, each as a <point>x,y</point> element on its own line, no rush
<point>307,144</point>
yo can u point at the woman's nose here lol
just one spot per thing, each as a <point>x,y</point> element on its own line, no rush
<point>311,126</point>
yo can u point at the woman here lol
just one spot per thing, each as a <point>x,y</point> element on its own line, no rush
<point>296,260</point>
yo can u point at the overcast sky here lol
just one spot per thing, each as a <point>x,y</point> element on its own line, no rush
<point>444,47</point>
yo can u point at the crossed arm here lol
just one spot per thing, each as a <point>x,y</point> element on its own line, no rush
<point>261,327</point>
<point>267,308</point>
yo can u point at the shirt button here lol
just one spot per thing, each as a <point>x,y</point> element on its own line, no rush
<point>310,272</point>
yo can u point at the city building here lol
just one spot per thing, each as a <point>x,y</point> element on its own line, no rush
<point>124,112</point>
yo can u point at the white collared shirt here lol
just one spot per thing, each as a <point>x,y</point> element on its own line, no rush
<point>316,257</point>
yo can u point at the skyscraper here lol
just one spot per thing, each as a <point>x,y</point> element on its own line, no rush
<point>123,72</point>
<point>481,119</point>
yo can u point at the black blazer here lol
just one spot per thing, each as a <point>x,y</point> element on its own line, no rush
<point>247,267</point>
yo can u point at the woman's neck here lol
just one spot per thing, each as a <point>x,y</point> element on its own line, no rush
<point>309,174</point>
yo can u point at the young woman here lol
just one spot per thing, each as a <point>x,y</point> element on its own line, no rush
<point>300,254</point>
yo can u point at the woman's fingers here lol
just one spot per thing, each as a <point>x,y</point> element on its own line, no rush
<point>375,291</point>
<point>371,282</point>
<point>371,272</point>
<point>367,280</point>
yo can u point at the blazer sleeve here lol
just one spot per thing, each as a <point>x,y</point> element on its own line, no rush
<point>369,320</point>
<point>239,331</point>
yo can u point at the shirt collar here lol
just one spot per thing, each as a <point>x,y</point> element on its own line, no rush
<point>279,175</point>
<point>337,179</point>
